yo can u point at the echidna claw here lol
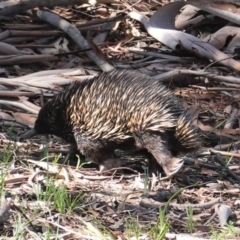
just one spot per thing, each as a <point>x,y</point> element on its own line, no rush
<point>102,168</point>
<point>173,167</point>
<point>109,164</point>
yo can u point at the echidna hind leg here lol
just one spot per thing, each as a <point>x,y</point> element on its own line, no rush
<point>157,145</point>
<point>110,163</point>
<point>98,151</point>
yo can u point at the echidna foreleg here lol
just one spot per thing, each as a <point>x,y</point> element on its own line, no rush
<point>158,146</point>
<point>74,153</point>
<point>98,151</point>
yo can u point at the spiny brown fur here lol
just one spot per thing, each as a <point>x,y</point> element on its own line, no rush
<point>120,107</point>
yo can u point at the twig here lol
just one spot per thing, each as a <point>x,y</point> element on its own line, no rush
<point>11,60</point>
<point>175,72</point>
<point>11,94</point>
<point>164,56</point>
<point>232,119</point>
<point>146,203</point>
<point>202,164</point>
<point>226,146</point>
<point>223,153</point>
<point>29,4</point>
<point>218,158</point>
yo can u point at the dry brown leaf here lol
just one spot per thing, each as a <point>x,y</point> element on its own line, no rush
<point>226,9</point>
<point>223,211</point>
<point>157,28</point>
<point>189,16</point>
<point>227,37</point>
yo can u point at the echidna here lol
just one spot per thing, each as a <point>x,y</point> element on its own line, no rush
<point>115,108</point>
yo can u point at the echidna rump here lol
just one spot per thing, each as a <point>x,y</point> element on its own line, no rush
<point>101,114</point>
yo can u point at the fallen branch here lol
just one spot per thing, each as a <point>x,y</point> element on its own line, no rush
<point>11,60</point>
<point>218,158</point>
<point>19,105</point>
<point>164,77</point>
<point>12,8</point>
<point>77,37</point>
